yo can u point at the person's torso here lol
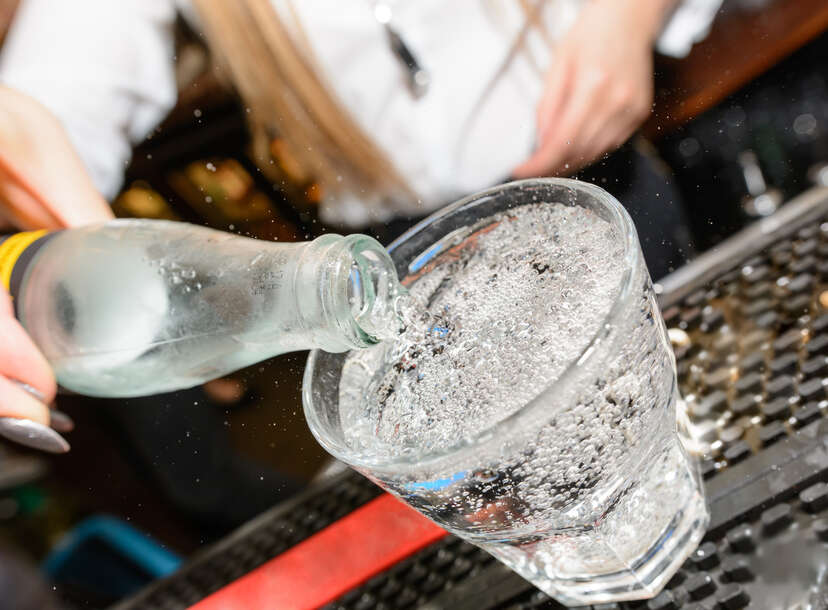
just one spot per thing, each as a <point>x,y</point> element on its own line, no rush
<point>476,120</point>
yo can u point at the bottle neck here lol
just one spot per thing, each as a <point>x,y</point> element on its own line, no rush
<point>355,291</point>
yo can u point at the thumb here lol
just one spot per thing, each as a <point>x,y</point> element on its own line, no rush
<point>17,402</point>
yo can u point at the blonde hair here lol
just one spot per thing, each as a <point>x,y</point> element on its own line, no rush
<point>291,109</point>
<point>290,104</point>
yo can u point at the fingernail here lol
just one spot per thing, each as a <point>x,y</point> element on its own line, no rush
<point>60,421</point>
<point>32,434</point>
<point>34,392</point>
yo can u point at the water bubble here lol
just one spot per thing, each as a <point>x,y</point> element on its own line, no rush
<point>486,476</point>
<point>470,348</point>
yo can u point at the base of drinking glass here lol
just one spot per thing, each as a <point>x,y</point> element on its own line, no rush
<point>647,575</point>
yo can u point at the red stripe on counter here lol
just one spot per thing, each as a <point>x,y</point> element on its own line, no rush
<point>331,562</point>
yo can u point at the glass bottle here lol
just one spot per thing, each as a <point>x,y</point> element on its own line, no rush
<point>138,307</point>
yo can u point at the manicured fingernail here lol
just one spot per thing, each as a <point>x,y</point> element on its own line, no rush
<point>60,421</point>
<point>32,434</point>
<point>35,393</point>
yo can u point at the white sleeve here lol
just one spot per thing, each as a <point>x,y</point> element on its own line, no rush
<point>688,24</point>
<point>105,68</point>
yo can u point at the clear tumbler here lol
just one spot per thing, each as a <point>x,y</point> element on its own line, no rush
<point>627,510</point>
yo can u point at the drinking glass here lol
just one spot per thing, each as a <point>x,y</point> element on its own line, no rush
<point>586,490</point>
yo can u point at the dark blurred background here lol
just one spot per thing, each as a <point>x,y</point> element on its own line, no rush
<point>742,124</point>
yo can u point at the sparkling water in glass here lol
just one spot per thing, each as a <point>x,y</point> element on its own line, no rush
<point>528,404</point>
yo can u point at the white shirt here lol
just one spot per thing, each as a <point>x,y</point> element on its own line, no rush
<point>105,69</point>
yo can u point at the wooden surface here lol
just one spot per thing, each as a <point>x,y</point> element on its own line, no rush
<point>743,43</point>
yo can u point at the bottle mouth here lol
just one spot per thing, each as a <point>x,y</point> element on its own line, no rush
<point>373,290</point>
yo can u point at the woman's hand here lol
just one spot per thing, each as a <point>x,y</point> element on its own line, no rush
<point>599,88</point>
<point>22,362</point>
<point>43,183</point>
<point>26,386</point>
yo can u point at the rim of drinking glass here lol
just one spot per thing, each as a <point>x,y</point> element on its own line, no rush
<point>632,254</point>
